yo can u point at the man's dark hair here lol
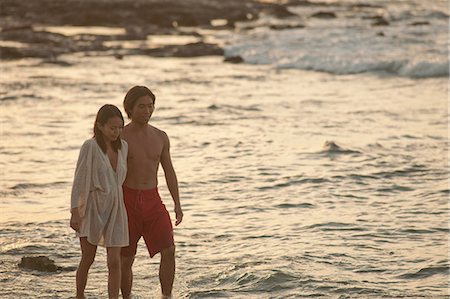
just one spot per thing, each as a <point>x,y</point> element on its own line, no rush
<point>133,94</point>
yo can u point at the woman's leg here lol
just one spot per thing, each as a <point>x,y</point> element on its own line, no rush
<point>87,258</point>
<point>114,276</point>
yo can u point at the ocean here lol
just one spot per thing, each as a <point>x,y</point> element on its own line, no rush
<point>318,168</point>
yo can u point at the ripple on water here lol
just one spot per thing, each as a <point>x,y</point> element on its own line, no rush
<point>36,185</point>
<point>294,181</point>
<point>306,205</point>
<point>335,226</point>
<point>426,272</point>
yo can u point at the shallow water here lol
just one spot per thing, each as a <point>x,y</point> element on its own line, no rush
<point>271,209</point>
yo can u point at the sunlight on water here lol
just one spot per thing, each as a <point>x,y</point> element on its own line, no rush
<point>76,30</point>
<point>293,183</point>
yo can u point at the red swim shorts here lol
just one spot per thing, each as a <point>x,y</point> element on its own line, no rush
<point>147,217</point>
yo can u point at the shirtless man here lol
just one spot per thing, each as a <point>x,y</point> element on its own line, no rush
<point>147,215</point>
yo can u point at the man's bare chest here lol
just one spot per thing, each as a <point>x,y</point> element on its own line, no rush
<point>142,151</point>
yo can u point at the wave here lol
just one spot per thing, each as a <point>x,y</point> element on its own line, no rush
<point>427,272</point>
<point>21,186</point>
<point>335,226</point>
<point>410,45</point>
<point>413,68</point>
<point>331,147</point>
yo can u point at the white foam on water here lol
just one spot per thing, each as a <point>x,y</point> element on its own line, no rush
<point>412,45</point>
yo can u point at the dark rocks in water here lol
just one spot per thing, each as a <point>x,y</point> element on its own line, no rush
<point>28,35</point>
<point>139,18</point>
<point>137,12</point>
<point>16,27</point>
<point>285,26</point>
<point>280,11</point>
<point>422,23</point>
<point>43,44</point>
<point>56,62</point>
<point>324,15</point>
<point>39,263</point>
<point>380,21</point>
<point>365,5</point>
<point>234,59</point>
<point>10,53</point>
<point>188,50</point>
<point>380,33</point>
<point>302,3</point>
<point>118,56</point>
<point>213,107</point>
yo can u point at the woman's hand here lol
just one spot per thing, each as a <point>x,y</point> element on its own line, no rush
<point>75,220</point>
<point>178,214</point>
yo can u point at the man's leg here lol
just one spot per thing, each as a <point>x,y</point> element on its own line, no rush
<point>127,275</point>
<point>113,261</point>
<point>88,252</point>
<point>167,270</point>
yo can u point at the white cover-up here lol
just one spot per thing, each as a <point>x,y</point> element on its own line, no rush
<point>97,192</point>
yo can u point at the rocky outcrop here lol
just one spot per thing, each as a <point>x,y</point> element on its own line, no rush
<point>42,264</point>
<point>163,13</point>
<point>234,59</point>
<point>324,15</point>
<point>23,24</point>
<point>39,263</point>
<point>188,50</point>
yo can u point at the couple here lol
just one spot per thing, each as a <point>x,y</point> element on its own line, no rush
<point>115,198</point>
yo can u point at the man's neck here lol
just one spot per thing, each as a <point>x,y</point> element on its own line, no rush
<point>138,126</point>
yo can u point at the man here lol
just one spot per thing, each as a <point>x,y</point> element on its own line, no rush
<point>147,215</point>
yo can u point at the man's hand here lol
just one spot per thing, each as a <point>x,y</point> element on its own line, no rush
<point>75,220</point>
<point>179,215</point>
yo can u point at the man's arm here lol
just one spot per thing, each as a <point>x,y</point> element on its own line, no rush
<point>171,177</point>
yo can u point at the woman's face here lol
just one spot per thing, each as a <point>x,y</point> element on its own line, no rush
<point>111,129</point>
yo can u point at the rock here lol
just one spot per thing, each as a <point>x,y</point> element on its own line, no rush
<point>380,33</point>
<point>39,263</point>
<point>140,18</point>
<point>118,56</point>
<point>9,53</point>
<point>380,21</point>
<point>302,3</point>
<point>132,13</point>
<point>17,27</point>
<point>234,59</point>
<point>285,26</point>
<point>280,11</point>
<point>420,23</point>
<point>188,50</point>
<point>56,62</point>
<point>324,15</point>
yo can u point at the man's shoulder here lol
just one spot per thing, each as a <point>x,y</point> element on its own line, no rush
<point>157,130</point>
<point>161,135</point>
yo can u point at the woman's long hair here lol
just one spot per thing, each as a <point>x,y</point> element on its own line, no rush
<point>104,114</point>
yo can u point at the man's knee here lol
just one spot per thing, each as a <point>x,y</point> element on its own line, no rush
<point>88,259</point>
<point>168,252</point>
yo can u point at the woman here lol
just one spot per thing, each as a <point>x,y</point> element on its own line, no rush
<point>98,212</point>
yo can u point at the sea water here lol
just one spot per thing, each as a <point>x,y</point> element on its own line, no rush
<point>298,178</point>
